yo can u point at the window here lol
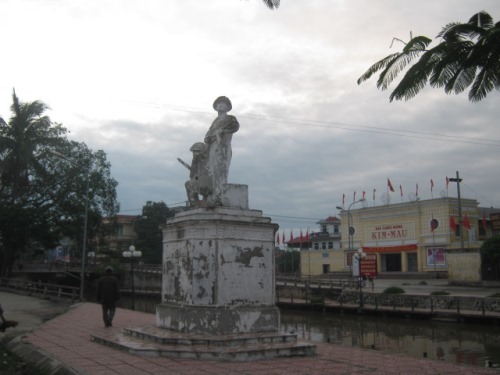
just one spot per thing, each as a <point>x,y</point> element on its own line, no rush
<point>323,245</point>
<point>326,254</point>
<point>330,245</point>
<point>336,229</point>
<point>316,246</point>
<point>324,229</point>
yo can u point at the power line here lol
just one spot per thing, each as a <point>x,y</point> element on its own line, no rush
<point>342,126</point>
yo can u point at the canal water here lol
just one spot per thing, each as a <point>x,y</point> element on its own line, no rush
<point>471,344</point>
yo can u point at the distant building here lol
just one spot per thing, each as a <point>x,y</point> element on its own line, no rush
<point>416,236</point>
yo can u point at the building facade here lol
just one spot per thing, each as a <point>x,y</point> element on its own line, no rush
<point>416,236</point>
<point>441,236</point>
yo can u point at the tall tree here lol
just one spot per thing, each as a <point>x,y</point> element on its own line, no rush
<point>21,140</point>
<point>468,55</point>
<point>42,196</point>
<point>149,236</point>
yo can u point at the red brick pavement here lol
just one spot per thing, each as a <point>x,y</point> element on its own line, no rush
<point>67,339</point>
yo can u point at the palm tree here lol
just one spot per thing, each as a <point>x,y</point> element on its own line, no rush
<point>21,139</point>
<point>468,55</point>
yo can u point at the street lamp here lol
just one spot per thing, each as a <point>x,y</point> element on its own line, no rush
<point>132,253</point>
<point>86,215</point>
<point>349,222</point>
<point>360,254</point>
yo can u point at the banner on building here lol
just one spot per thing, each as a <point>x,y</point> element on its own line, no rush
<point>436,256</point>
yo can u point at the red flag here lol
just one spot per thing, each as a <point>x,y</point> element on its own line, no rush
<point>278,239</point>
<point>432,184</point>
<point>283,237</point>
<point>453,225</point>
<point>466,222</point>
<point>291,236</point>
<point>416,191</point>
<point>364,193</point>
<point>401,190</point>
<point>307,235</point>
<point>484,221</point>
<point>390,185</point>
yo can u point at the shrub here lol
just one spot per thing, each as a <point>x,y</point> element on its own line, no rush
<point>440,293</point>
<point>393,290</point>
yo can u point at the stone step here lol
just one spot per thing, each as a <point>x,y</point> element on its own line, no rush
<point>165,336</point>
<point>190,348</point>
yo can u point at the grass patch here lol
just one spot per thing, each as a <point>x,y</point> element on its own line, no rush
<point>394,290</point>
<point>12,364</point>
<point>440,293</point>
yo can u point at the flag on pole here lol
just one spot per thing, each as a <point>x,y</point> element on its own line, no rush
<point>291,236</point>
<point>466,222</point>
<point>278,239</point>
<point>343,200</point>
<point>374,190</point>
<point>416,191</point>
<point>389,185</point>
<point>301,237</point>
<point>283,237</point>
<point>401,190</point>
<point>364,193</point>
<point>307,236</point>
<point>354,198</point>
<point>432,185</point>
<point>453,225</point>
<point>447,182</point>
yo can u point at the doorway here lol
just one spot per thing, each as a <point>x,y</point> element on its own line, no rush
<point>391,262</point>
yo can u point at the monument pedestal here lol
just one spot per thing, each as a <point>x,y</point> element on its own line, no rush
<point>218,273</point>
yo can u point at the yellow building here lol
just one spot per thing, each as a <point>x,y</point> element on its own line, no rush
<point>416,236</point>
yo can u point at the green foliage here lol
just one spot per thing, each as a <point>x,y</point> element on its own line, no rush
<point>440,293</point>
<point>288,262</point>
<point>149,235</point>
<point>490,250</point>
<point>467,56</point>
<point>45,183</point>
<point>393,290</point>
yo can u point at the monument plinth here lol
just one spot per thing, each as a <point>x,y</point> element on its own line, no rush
<point>218,272</point>
<point>218,287</point>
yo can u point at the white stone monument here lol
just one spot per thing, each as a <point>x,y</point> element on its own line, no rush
<point>218,286</point>
<point>218,257</point>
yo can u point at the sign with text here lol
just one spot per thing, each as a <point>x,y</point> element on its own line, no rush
<point>369,266</point>
<point>394,231</point>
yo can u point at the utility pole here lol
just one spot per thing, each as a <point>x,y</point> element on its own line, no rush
<point>458,180</point>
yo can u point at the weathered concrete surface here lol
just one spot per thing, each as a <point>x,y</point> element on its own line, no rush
<point>218,272</point>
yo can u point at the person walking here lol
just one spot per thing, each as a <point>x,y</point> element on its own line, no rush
<point>108,294</point>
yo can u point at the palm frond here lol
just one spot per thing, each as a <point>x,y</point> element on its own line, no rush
<point>415,78</point>
<point>272,4</point>
<point>394,64</point>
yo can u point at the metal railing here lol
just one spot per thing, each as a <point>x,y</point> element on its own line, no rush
<point>40,289</point>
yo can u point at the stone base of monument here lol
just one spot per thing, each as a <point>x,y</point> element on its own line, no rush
<point>218,289</point>
<point>160,342</point>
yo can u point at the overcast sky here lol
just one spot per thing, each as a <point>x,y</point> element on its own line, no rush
<point>137,79</point>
